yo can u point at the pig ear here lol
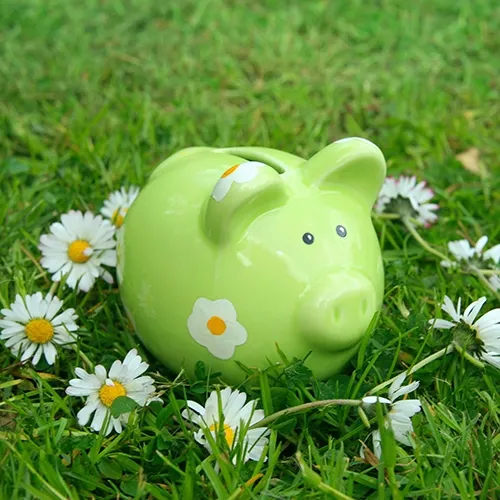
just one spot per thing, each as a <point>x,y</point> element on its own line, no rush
<point>353,163</point>
<point>243,192</point>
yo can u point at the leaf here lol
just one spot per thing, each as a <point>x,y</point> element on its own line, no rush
<point>297,375</point>
<point>471,162</point>
<point>122,404</point>
<point>200,370</point>
<point>110,469</point>
<point>47,376</point>
<point>127,463</point>
<point>10,383</point>
<point>131,486</point>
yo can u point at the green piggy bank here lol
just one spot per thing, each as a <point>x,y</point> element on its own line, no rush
<point>228,253</point>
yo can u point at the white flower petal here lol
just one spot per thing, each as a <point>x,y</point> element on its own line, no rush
<point>100,372</point>
<point>405,390</point>
<point>401,429</point>
<point>84,414</point>
<point>492,358</point>
<point>493,253</point>
<point>14,338</point>
<point>396,385</point>
<point>12,330</point>
<point>472,310</point>
<point>115,369</point>
<point>32,347</point>
<point>405,408</point>
<point>196,407</point>
<point>489,319</point>
<point>481,243</point>
<point>369,400</point>
<point>38,353</point>
<point>441,323</point>
<point>233,407</point>
<point>449,308</point>
<point>377,443</point>
<point>49,352</point>
<point>99,417</point>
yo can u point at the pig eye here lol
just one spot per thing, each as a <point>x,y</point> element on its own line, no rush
<point>341,231</point>
<point>308,238</point>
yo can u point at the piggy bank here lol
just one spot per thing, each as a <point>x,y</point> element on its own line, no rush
<point>230,253</point>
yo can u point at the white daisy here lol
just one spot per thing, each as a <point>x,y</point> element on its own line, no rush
<point>78,247</point>
<point>117,204</point>
<point>236,417</point>
<point>463,252</point>
<point>407,198</point>
<point>34,325</point>
<point>482,337</point>
<point>213,324</point>
<point>399,416</point>
<point>240,173</point>
<point>102,388</point>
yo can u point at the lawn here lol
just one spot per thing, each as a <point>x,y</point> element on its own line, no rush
<point>96,94</point>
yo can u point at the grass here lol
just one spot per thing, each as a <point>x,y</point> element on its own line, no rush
<point>97,93</point>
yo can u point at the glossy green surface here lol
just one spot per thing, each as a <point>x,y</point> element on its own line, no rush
<point>182,251</point>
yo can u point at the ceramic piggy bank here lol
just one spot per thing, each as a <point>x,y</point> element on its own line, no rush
<point>227,253</point>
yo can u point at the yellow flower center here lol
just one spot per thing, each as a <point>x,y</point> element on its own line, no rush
<point>230,170</point>
<point>216,325</point>
<point>228,433</point>
<point>39,330</point>
<point>118,218</point>
<point>76,251</point>
<point>108,393</point>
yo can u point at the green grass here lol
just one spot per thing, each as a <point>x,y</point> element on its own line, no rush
<point>95,94</point>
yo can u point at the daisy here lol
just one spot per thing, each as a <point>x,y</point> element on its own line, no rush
<point>78,247</point>
<point>407,198</point>
<point>480,338</point>
<point>102,388</point>
<point>399,415</point>
<point>236,416</point>
<point>464,252</point>
<point>117,204</point>
<point>34,325</point>
<point>461,250</point>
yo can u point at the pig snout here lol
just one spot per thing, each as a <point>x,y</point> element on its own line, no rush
<point>335,311</point>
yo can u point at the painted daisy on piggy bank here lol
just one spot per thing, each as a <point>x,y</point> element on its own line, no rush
<point>227,253</point>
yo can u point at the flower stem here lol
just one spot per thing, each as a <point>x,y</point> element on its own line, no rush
<point>484,281</point>
<point>489,272</point>
<point>82,355</point>
<point>468,357</point>
<point>53,287</point>
<point>383,215</point>
<point>420,364</point>
<point>396,494</point>
<point>305,406</point>
<point>411,228</point>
